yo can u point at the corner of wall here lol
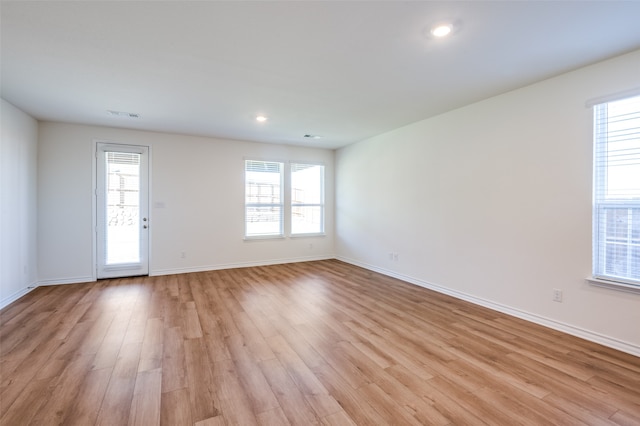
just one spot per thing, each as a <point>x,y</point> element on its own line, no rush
<point>18,203</point>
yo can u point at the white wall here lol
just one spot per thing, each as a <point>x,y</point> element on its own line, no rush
<point>492,203</point>
<point>18,207</point>
<point>198,180</point>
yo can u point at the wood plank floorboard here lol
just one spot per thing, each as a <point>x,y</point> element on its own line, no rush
<point>321,343</point>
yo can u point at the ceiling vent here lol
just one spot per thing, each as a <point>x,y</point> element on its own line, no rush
<point>123,114</point>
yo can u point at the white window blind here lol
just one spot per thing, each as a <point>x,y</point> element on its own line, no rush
<point>616,215</point>
<point>264,203</point>
<point>307,198</point>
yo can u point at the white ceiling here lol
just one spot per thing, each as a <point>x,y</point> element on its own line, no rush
<point>344,70</point>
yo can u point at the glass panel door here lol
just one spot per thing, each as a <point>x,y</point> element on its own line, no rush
<point>122,210</point>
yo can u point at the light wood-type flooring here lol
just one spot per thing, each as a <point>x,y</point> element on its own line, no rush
<point>308,343</point>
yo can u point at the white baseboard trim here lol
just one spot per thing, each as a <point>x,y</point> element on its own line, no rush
<point>76,280</point>
<point>15,296</point>
<point>610,342</point>
<point>206,268</point>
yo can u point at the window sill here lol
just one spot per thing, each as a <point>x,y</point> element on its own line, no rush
<point>283,237</point>
<point>614,285</point>
<point>264,237</point>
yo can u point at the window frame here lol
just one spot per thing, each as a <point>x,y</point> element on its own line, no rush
<point>604,203</point>
<point>280,205</point>
<point>286,200</point>
<point>321,204</point>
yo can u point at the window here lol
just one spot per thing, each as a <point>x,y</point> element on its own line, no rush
<point>616,215</point>
<point>263,198</point>
<point>307,199</point>
<point>279,203</point>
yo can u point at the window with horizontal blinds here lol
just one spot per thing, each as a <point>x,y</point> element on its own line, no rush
<point>616,206</point>
<point>307,198</point>
<point>264,203</point>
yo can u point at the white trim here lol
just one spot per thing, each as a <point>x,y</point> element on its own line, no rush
<point>94,210</point>
<point>76,280</point>
<point>264,237</point>
<point>614,285</point>
<point>15,296</point>
<point>620,345</point>
<point>206,268</point>
<point>102,145</point>
<point>149,206</point>
<point>311,163</point>
<point>613,97</point>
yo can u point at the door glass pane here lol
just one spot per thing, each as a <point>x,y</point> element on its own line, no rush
<point>123,208</point>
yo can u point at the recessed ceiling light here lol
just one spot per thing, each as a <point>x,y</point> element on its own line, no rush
<point>261,118</point>
<point>441,30</point>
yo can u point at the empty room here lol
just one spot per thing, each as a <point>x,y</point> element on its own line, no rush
<point>320,212</point>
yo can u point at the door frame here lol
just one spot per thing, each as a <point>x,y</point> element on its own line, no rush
<point>94,201</point>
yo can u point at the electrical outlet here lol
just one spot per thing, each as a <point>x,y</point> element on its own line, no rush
<point>557,295</point>
<point>183,255</point>
<point>395,257</point>
<point>390,256</point>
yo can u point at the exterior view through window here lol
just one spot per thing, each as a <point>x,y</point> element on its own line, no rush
<point>616,225</point>
<point>307,199</point>
<point>123,207</point>
<point>263,198</point>
<point>122,210</point>
<point>279,203</point>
